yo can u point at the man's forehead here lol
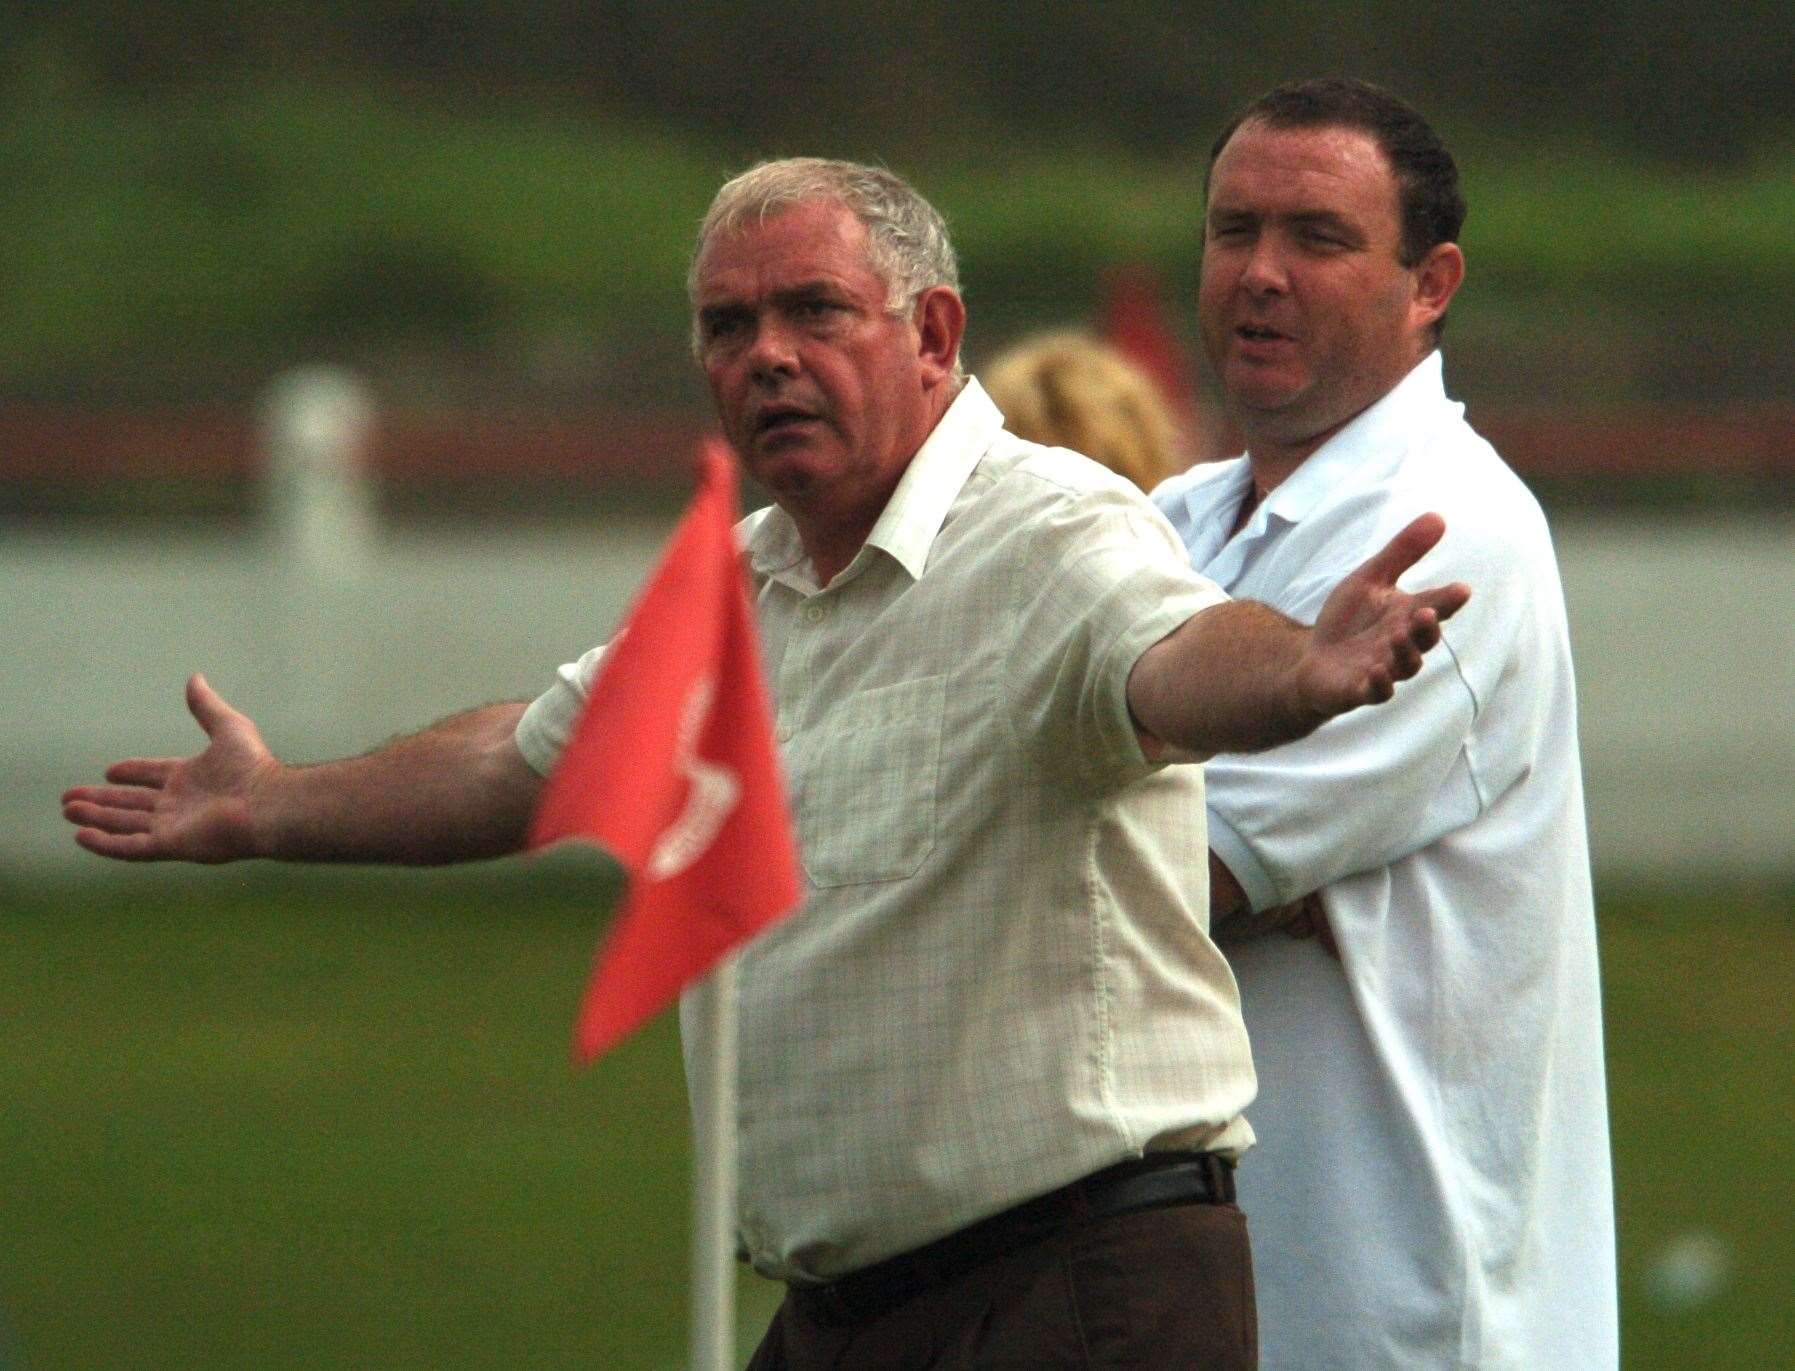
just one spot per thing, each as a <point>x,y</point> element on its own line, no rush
<point>816,240</point>
<point>1317,166</point>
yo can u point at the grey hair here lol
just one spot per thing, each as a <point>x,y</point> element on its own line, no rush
<point>907,241</point>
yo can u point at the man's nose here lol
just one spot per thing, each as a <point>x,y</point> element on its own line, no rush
<point>772,352</point>
<point>1264,272</point>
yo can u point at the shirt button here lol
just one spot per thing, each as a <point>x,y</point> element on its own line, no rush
<point>814,614</point>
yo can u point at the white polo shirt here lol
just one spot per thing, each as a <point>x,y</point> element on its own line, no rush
<point>1001,979</point>
<point>1431,1188</point>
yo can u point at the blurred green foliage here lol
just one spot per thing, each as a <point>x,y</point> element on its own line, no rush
<point>270,213</point>
<point>262,221</point>
<point>268,1118</point>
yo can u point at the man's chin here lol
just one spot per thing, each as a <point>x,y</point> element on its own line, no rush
<point>1263,390</point>
<point>788,462</point>
<point>1266,409</point>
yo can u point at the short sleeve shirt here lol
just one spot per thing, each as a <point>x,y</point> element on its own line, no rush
<point>1001,978</point>
<point>1434,1100</point>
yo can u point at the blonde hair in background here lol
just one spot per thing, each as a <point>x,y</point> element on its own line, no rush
<point>1070,389</point>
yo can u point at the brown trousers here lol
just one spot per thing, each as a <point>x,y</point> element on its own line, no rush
<point>1160,1290</point>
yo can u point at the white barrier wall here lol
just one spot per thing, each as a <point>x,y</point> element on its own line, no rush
<point>1685,637</point>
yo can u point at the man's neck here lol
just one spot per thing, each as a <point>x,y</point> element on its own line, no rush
<point>1248,504</point>
<point>832,536</point>
<point>1275,462</point>
<point>1274,456</point>
<point>833,543</point>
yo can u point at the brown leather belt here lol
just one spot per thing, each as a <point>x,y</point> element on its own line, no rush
<point>1153,1182</point>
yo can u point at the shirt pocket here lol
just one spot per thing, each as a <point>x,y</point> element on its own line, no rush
<point>868,812</point>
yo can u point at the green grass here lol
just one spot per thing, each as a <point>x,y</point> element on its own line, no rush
<point>1700,1041</point>
<point>329,1121</point>
<point>260,1118</point>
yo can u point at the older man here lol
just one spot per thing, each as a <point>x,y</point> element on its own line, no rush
<point>993,1073</point>
<point>1432,1186</point>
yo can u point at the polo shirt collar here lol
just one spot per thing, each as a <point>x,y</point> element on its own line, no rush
<point>907,526</point>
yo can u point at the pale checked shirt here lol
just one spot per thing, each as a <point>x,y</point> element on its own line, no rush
<point>1432,1187</point>
<point>1001,978</point>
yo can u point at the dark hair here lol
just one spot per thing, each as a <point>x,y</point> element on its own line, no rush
<point>1428,198</point>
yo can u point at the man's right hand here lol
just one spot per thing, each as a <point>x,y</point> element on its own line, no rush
<point>1371,633</point>
<point>456,791</point>
<point>1240,676</point>
<point>194,809</point>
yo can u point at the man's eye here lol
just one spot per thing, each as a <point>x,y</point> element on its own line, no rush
<point>1229,233</point>
<point>816,309</point>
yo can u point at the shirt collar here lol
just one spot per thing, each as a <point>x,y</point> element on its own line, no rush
<point>907,526</point>
<point>1373,441</point>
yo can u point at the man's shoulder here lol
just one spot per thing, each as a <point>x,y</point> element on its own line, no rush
<point>1023,495</point>
<point>1411,452</point>
<point>1030,470</point>
<point>1432,462</point>
<point>1452,470</point>
<point>1017,475</point>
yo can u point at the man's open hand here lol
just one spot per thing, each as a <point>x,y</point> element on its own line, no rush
<point>194,809</point>
<point>1371,634</point>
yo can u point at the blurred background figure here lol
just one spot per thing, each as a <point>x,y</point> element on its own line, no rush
<point>1069,388</point>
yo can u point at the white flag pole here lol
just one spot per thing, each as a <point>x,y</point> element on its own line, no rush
<point>714,1179</point>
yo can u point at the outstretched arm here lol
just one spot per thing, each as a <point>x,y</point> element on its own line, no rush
<point>456,791</point>
<point>1241,677</point>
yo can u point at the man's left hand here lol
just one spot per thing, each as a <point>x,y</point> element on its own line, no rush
<point>1232,922</point>
<point>1308,918</point>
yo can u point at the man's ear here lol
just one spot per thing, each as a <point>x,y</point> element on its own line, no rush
<point>940,319</point>
<point>1437,279</point>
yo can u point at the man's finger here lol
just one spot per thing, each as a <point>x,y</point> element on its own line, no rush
<point>1405,549</point>
<point>126,847</point>
<point>106,818</point>
<point>1446,600</point>
<point>1424,629</point>
<point>113,796</point>
<point>143,771</point>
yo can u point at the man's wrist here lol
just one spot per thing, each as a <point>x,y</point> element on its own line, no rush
<point>257,820</point>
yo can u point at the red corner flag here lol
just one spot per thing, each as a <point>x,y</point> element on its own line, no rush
<point>672,769</point>
<point>1135,324</point>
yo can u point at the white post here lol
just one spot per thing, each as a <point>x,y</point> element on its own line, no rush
<point>315,425</point>
<point>323,543</point>
<point>713,1181</point>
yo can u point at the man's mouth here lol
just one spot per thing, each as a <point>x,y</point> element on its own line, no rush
<point>1260,333</point>
<point>778,419</point>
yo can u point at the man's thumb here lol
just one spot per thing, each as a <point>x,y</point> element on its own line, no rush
<point>207,706</point>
